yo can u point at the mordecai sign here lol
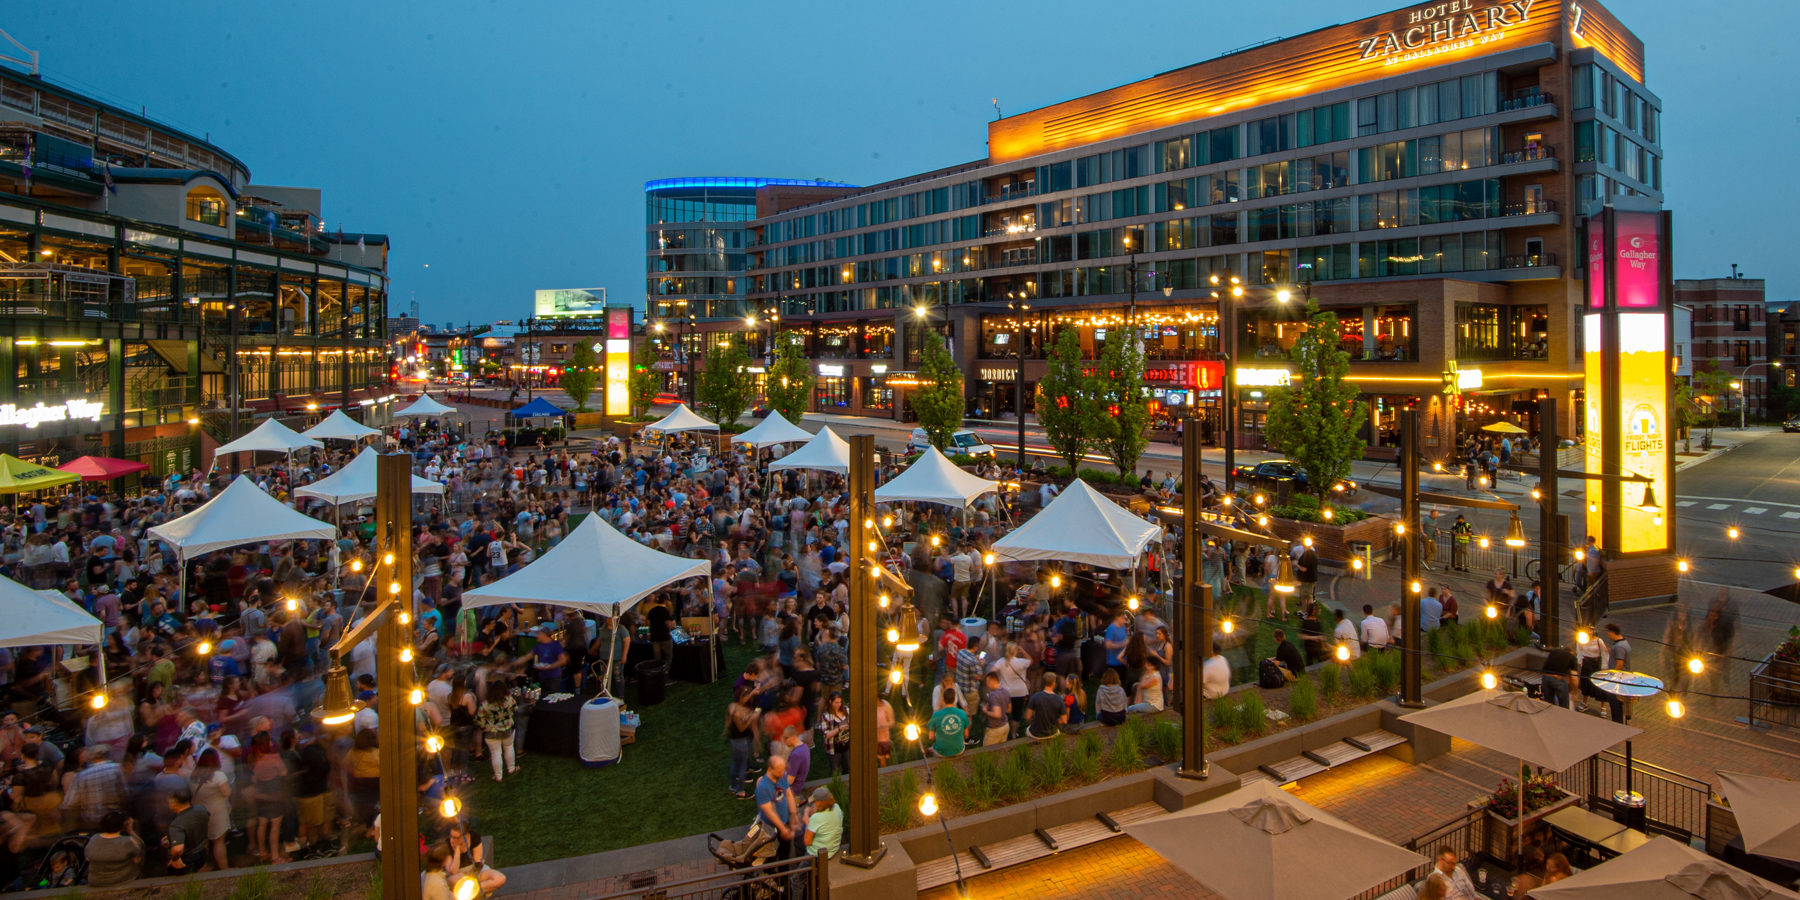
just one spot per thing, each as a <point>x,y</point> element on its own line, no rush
<point>33,416</point>
<point>1442,27</point>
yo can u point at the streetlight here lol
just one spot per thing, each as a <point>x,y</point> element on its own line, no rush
<point>1018,305</point>
<point>1744,377</point>
<point>1228,352</point>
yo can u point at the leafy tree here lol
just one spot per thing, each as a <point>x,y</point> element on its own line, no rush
<point>644,384</point>
<point>725,387</point>
<point>1068,401</point>
<point>939,402</point>
<point>580,374</point>
<point>1710,390</point>
<point>1315,419</point>
<point>789,385</point>
<point>1122,398</point>
<point>1783,400</point>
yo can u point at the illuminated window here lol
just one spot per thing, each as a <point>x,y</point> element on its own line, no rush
<point>206,206</point>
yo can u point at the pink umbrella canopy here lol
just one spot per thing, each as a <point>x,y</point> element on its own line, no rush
<point>101,468</point>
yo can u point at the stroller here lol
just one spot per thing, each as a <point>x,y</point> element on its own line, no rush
<point>756,848</point>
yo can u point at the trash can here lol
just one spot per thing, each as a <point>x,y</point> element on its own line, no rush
<point>1362,560</point>
<point>653,681</point>
<point>1628,809</point>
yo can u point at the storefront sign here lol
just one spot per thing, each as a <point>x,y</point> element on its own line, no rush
<point>1638,271</point>
<point>1444,27</point>
<point>1642,408</point>
<point>831,370</point>
<point>999,374</point>
<point>1468,379</point>
<point>33,416</point>
<point>878,369</point>
<point>1202,376</point>
<point>1261,377</point>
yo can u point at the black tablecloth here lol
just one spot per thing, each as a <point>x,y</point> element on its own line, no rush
<point>690,663</point>
<point>555,728</point>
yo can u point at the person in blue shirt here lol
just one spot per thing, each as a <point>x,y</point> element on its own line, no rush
<point>1431,610</point>
<point>1118,634</point>
<point>776,807</point>
<point>549,659</point>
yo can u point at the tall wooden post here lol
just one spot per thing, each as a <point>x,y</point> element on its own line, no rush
<point>1549,551</point>
<point>1412,635</point>
<point>394,680</point>
<point>865,848</point>
<point>1193,616</point>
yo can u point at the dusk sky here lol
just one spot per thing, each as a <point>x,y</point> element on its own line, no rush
<point>504,145</point>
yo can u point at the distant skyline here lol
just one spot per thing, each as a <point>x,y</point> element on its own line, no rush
<point>504,146</point>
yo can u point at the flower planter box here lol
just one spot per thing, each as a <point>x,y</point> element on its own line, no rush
<point>1500,835</point>
<point>589,419</point>
<point>1332,542</point>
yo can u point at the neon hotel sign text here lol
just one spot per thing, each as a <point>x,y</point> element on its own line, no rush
<point>1444,27</point>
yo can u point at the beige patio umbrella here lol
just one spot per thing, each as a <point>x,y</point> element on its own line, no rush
<point>1261,843</point>
<point>1663,870</point>
<point>1535,732</point>
<point>1503,428</point>
<point>1768,813</point>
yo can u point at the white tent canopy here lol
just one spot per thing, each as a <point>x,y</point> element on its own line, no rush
<point>775,429</point>
<point>240,514</point>
<point>271,436</point>
<point>826,452</point>
<point>339,427</point>
<point>425,407</point>
<point>1081,525</point>
<point>595,568</point>
<point>356,481</point>
<point>682,419</point>
<point>935,479</point>
<point>44,617</point>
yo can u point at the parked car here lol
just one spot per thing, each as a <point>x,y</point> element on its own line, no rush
<point>962,441</point>
<point>1269,473</point>
<point>1792,425</point>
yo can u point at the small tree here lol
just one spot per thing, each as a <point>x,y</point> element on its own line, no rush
<point>939,402</point>
<point>726,387</point>
<point>789,385</point>
<point>644,384</point>
<point>580,374</point>
<point>1067,401</point>
<point>1711,387</point>
<point>1123,401</point>
<point>1315,419</point>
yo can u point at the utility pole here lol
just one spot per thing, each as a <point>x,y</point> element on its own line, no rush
<point>1194,617</point>
<point>1019,306</point>
<point>1412,635</point>
<point>865,848</point>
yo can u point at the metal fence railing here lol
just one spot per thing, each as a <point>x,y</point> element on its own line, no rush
<point>1464,834</point>
<point>1674,804</point>
<point>802,878</point>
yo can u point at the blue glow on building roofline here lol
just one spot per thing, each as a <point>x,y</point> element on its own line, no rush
<point>665,183</point>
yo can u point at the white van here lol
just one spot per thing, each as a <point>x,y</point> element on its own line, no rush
<point>962,441</point>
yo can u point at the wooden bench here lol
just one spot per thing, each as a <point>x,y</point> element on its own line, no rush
<point>1312,762</point>
<point>979,860</point>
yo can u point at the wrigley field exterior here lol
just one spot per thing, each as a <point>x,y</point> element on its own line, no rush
<point>1422,173</point>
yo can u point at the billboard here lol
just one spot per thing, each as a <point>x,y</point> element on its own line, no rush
<point>566,302</point>
<point>618,361</point>
<point>1642,410</point>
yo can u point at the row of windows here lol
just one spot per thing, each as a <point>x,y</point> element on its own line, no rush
<point>698,262</point>
<point>1451,152</point>
<point>923,234</point>
<point>1445,101</point>
<point>1596,143</point>
<point>1615,98</point>
<point>1319,125</point>
<point>695,239</point>
<point>700,209</point>
<point>879,212</point>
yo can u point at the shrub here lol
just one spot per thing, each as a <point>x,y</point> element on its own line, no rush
<point>1165,740</point>
<point>317,889</point>
<point>1252,717</point>
<point>839,790</point>
<point>1127,754</point>
<point>1138,728</point>
<point>897,798</point>
<point>1303,699</point>
<point>1329,682</point>
<point>1015,775</point>
<point>946,777</point>
<point>253,885</point>
<point>1224,711</point>
<point>190,890</point>
<point>1053,766</point>
<point>984,780</point>
<point>1305,508</point>
<point>1387,672</point>
<point>1090,743</point>
<point>1363,684</point>
<point>1086,759</point>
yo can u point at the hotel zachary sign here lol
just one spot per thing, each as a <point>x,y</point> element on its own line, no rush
<point>1444,28</point>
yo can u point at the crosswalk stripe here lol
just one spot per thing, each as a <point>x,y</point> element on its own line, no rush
<point>1684,504</point>
<point>1755,510</point>
<point>1718,506</point>
<point>1791,515</point>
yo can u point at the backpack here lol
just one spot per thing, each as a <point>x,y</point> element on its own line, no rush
<point>1269,674</point>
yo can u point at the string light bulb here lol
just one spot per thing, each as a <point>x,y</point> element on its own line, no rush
<point>406,655</point>
<point>405,618</point>
<point>1226,626</point>
<point>1582,636</point>
<point>450,807</point>
<point>1417,587</point>
<point>928,805</point>
<point>1675,709</point>
<point>204,648</point>
<point>882,601</point>
<point>1732,532</point>
<point>98,701</point>
<point>887,521</point>
<point>1493,612</point>
<point>393,587</point>
<point>893,635</point>
<point>935,540</point>
<point>415,696</point>
<point>433,743</point>
<point>467,887</point>
<point>1400,528</point>
<point>873,546</point>
<point>1056,581</point>
<point>1696,665</point>
<point>1131,603</point>
<point>356,565</point>
<point>912,731</point>
<point>1484,542</point>
<point>292,604</point>
<point>895,676</point>
<point>1681,565</point>
<point>387,559</point>
<point>988,559</point>
<point>1262,521</point>
<point>1343,653</point>
<point>1260,499</point>
<point>1489,681</point>
<point>1306,541</point>
<point>1356,563</point>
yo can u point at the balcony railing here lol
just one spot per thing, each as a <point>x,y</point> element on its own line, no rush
<point>1529,154</point>
<point>1529,208</point>
<point>1527,101</point>
<point>1011,192</point>
<point>1528,261</point>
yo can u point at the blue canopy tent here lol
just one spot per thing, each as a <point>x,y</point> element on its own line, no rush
<point>537,409</point>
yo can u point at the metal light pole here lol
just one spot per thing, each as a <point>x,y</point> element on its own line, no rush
<point>1019,307</point>
<point>1549,551</point>
<point>1228,384</point>
<point>688,351</point>
<point>1194,617</point>
<point>1411,633</point>
<point>865,848</point>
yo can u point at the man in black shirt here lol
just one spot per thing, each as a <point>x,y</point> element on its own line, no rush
<point>1046,712</point>
<point>1288,654</point>
<point>662,644</point>
<point>1560,671</point>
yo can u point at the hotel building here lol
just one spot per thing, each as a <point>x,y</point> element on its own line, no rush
<point>153,293</point>
<point>1420,173</point>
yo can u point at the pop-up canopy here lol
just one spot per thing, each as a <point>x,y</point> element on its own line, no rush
<point>426,408</point>
<point>538,408</point>
<point>826,452</point>
<point>339,427</point>
<point>43,617</point>
<point>17,475</point>
<point>101,468</point>
<point>775,429</point>
<point>356,481</point>
<point>935,479</point>
<point>1081,525</point>
<point>595,568</point>
<point>270,436</point>
<point>682,419</point>
<point>240,514</point>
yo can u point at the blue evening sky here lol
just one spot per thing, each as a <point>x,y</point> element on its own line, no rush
<point>504,145</point>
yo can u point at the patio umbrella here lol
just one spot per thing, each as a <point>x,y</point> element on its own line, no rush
<point>1262,842</point>
<point>17,475</point>
<point>1663,870</point>
<point>1768,813</point>
<point>1504,428</point>
<point>101,468</point>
